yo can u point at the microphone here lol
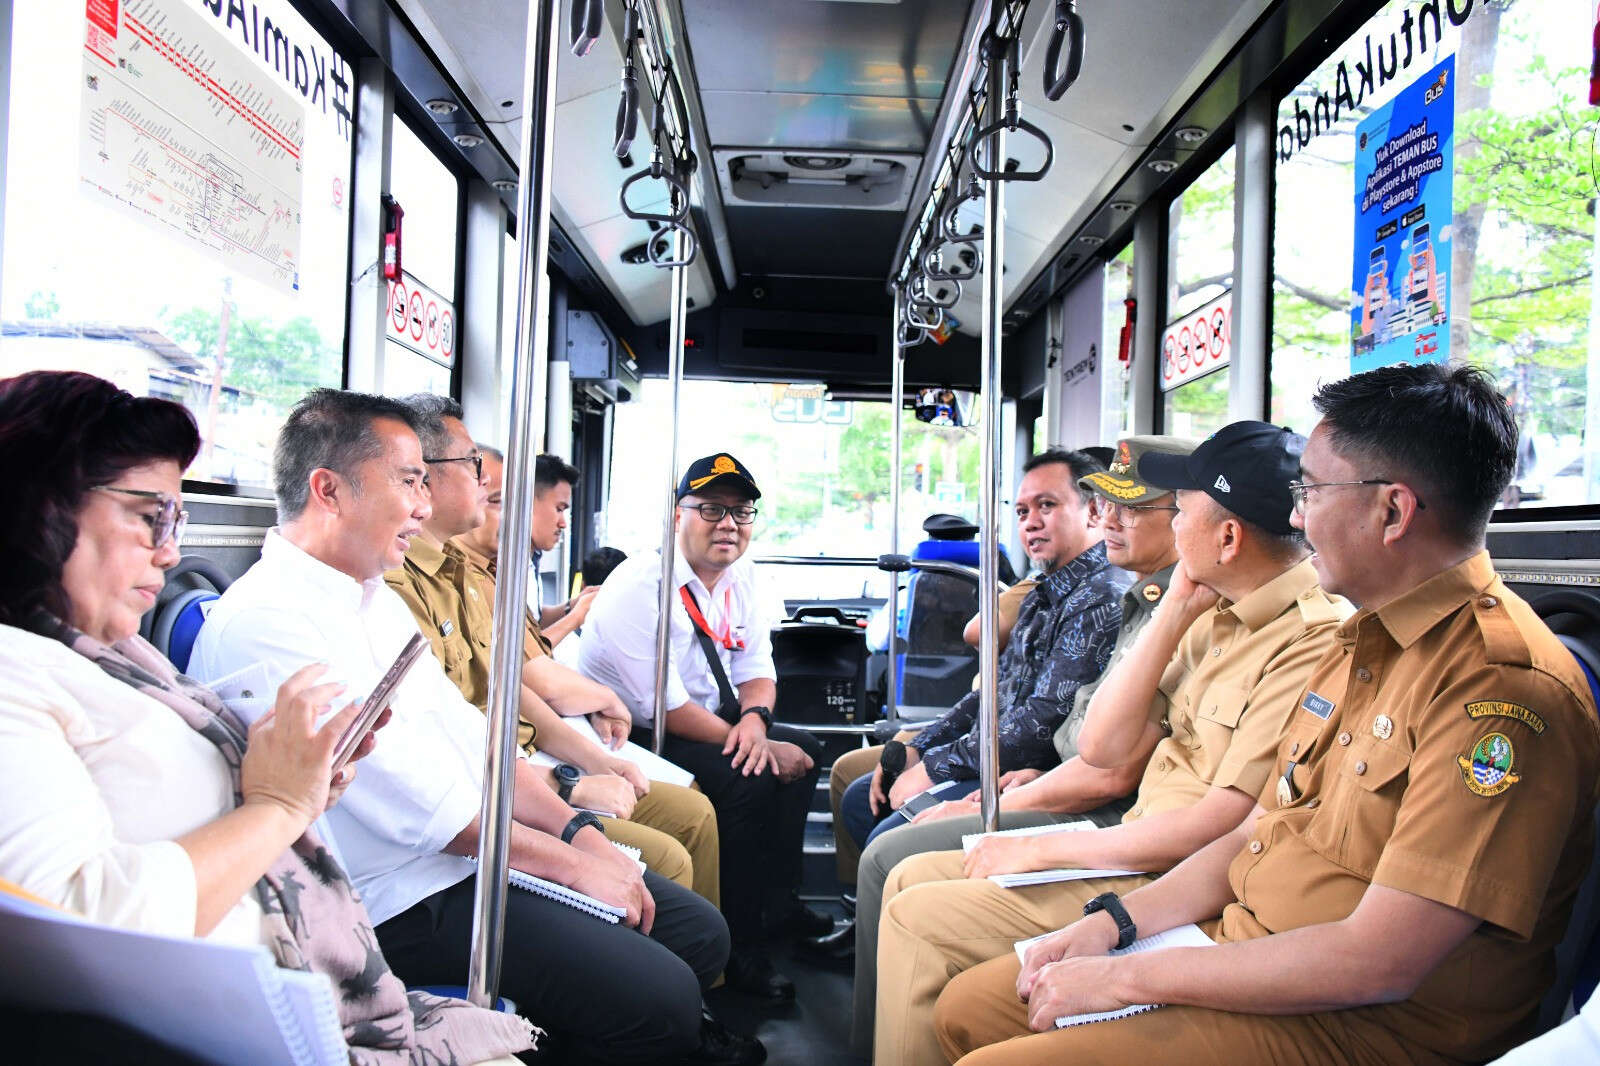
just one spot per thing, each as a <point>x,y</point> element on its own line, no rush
<point>893,762</point>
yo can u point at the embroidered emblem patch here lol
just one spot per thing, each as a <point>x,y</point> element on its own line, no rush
<point>1503,709</point>
<point>1221,484</point>
<point>1317,705</point>
<point>1383,727</point>
<point>1124,462</point>
<point>1488,772</point>
<point>1151,592</point>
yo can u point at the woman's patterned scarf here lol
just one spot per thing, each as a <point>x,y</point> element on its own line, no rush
<point>312,918</point>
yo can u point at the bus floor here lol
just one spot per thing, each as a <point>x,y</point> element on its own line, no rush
<point>815,1028</point>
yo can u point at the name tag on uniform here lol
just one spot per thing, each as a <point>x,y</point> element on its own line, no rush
<point>446,628</point>
<point>1317,705</point>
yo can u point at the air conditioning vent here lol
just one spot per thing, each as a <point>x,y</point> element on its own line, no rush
<point>868,181</point>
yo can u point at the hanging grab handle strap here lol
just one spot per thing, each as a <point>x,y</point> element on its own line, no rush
<point>1069,34</point>
<point>1010,121</point>
<point>952,227</point>
<point>588,16</point>
<point>628,107</point>
<point>933,265</point>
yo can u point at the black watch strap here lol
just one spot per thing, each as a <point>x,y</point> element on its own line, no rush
<point>1111,903</point>
<point>579,820</point>
<point>764,712</point>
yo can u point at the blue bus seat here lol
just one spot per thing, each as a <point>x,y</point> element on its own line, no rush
<point>178,625</point>
<point>936,665</point>
<point>1578,953</point>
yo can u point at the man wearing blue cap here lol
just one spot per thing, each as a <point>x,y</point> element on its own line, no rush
<point>721,687</point>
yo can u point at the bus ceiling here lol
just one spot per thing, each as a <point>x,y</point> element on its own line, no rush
<point>819,126</point>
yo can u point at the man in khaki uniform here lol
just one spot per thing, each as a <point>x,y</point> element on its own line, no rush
<point>1397,895</point>
<point>1241,625</point>
<point>683,815</point>
<point>1135,522</point>
<point>457,621</point>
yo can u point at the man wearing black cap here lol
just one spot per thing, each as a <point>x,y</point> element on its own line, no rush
<point>721,687</point>
<point>1241,625</point>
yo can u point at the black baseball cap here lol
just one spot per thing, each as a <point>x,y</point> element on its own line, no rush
<point>721,471</point>
<point>1245,466</point>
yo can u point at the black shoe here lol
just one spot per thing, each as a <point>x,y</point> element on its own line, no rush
<point>848,901</point>
<point>837,946</point>
<point>750,971</point>
<point>794,918</point>
<point>719,1046</point>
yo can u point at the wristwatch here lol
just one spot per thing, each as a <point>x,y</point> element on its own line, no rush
<point>1111,903</point>
<point>764,712</point>
<point>579,820</point>
<point>566,780</point>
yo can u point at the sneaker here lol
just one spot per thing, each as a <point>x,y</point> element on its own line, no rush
<point>720,1046</point>
<point>750,971</point>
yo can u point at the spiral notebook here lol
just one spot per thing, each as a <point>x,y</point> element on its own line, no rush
<point>968,840</point>
<point>213,1001</point>
<point>572,897</point>
<point>1181,936</point>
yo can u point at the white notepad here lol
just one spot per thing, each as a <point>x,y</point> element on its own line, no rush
<point>1077,825</point>
<point>572,897</point>
<point>1050,877</point>
<point>216,1002</point>
<point>1182,936</point>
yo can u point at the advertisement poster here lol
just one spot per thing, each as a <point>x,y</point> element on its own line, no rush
<point>1404,156</point>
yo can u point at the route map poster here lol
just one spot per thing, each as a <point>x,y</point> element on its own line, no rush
<point>184,133</point>
<point>1404,207</point>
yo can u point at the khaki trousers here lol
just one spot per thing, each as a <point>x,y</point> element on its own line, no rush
<point>846,768</point>
<point>981,1022</point>
<point>937,924</point>
<point>675,830</point>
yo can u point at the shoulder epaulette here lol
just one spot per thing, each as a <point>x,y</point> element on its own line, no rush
<point>1503,642</point>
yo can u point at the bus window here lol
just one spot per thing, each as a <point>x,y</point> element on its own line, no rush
<point>154,240</point>
<point>1516,275</point>
<point>414,358</point>
<point>1116,396</point>
<point>1200,246</point>
<point>823,468</point>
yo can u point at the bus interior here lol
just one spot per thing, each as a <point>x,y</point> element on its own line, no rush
<point>881,250</point>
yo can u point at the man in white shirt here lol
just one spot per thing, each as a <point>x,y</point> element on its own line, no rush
<point>352,492</point>
<point>721,686</point>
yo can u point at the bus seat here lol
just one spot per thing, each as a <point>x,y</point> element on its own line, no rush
<point>936,665</point>
<point>178,625</point>
<point>1578,953</point>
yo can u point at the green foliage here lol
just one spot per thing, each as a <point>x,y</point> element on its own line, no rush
<point>41,306</point>
<point>275,363</point>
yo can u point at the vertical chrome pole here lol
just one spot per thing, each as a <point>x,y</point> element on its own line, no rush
<point>994,220</point>
<point>669,547</point>
<point>897,399</point>
<point>527,416</point>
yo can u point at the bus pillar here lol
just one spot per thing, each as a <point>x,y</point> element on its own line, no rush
<point>534,202</point>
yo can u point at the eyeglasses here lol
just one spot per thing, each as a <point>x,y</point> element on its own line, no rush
<point>1299,490</point>
<point>743,514</point>
<point>476,459</point>
<point>1127,515</point>
<point>166,524</point>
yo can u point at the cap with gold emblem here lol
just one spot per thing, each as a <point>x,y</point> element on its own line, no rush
<point>1121,482</point>
<point>720,471</point>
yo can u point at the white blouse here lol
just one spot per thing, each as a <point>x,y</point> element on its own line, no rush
<point>97,782</point>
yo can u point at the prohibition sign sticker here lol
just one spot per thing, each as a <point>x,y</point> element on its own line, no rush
<point>397,306</point>
<point>433,324</point>
<point>447,333</point>
<point>415,310</point>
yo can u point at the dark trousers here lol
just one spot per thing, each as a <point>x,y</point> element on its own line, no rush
<point>761,820</point>
<point>603,992</point>
<point>864,827</point>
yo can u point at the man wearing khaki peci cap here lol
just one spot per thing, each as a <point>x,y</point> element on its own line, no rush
<point>1238,630</point>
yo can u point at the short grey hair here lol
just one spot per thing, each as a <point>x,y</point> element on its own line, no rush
<point>329,429</point>
<point>430,411</point>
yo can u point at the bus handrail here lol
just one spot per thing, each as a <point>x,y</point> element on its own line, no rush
<point>1069,32</point>
<point>1011,121</point>
<point>899,564</point>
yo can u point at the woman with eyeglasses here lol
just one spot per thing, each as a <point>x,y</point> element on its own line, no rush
<point>128,793</point>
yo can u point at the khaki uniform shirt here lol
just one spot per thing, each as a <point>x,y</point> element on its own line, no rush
<point>1231,688</point>
<point>1138,607</point>
<point>1446,746</point>
<point>479,577</point>
<point>431,582</point>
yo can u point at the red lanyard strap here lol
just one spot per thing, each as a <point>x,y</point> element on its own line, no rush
<point>725,638</point>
